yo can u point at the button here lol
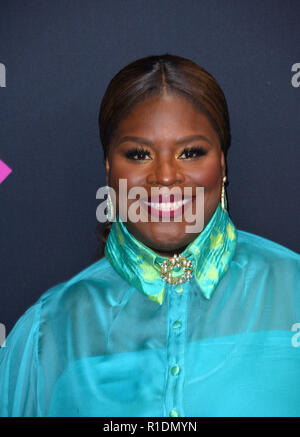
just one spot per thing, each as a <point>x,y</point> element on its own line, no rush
<point>179,289</point>
<point>175,370</point>
<point>173,413</point>
<point>177,324</point>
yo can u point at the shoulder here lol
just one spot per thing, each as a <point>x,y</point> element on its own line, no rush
<point>268,271</point>
<point>260,256</point>
<point>258,247</point>
<point>98,283</point>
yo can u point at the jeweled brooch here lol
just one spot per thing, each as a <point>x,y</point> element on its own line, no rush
<point>177,262</point>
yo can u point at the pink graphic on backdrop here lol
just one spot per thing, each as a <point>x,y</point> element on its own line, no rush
<point>4,171</point>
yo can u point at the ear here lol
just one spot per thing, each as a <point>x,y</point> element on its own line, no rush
<point>107,169</point>
<point>223,163</point>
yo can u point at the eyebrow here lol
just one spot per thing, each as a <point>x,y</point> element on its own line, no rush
<point>182,140</point>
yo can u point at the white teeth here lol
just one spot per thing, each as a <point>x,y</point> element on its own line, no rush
<point>167,206</point>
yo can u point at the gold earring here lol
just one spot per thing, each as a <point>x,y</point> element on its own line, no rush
<point>223,195</point>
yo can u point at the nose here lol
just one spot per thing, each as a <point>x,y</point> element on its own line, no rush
<point>165,172</point>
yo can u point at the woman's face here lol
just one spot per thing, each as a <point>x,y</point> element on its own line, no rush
<point>161,123</point>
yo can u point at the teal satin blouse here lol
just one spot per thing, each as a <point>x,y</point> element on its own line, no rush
<point>117,340</point>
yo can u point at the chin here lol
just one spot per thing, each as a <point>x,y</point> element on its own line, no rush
<point>169,243</point>
<point>164,237</point>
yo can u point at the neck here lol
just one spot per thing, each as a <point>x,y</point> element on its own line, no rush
<point>171,253</point>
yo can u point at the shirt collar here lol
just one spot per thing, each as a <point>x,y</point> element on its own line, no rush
<point>210,252</point>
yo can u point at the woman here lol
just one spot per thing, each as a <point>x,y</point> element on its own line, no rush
<point>142,331</point>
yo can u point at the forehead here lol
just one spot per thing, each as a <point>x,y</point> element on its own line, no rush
<point>166,115</point>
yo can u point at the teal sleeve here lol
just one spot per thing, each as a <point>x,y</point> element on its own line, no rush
<point>19,379</point>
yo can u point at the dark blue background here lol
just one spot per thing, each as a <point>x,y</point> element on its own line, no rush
<point>59,58</point>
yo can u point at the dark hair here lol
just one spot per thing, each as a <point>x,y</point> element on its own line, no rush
<point>152,76</point>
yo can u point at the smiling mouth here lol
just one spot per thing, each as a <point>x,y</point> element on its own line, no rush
<point>167,209</point>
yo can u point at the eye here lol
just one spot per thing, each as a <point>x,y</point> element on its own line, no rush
<point>138,154</point>
<point>192,152</point>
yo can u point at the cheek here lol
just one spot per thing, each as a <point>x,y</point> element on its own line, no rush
<point>121,170</point>
<point>208,175</point>
<point>117,169</point>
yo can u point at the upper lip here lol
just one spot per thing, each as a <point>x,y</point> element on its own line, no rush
<point>164,198</point>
